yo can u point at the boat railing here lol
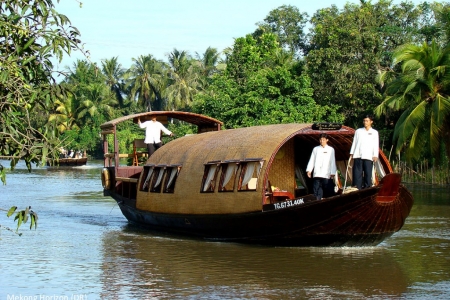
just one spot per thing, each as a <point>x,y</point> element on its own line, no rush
<point>138,145</point>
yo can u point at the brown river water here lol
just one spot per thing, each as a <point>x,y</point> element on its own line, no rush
<point>84,248</point>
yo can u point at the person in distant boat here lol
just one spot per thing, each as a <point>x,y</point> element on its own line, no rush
<point>62,153</point>
<point>71,154</point>
<point>153,130</point>
<point>364,151</point>
<point>322,164</point>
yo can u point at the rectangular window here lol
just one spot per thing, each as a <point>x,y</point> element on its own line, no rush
<point>171,178</point>
<point>228,176</point>
<point>146,178</point>
<point>157,177</point>
<point>209,176</point>
<point>248,175</point>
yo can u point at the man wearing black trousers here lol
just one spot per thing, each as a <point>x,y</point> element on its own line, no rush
<point>153,130</point>
<point>323,163</point>
<point>364,152</point>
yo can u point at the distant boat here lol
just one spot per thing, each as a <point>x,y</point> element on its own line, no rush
<point>219,185</point>
<point>68,162</point>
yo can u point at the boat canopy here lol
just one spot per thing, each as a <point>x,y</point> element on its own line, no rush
<point>204,123</point>
<point>237,166</point>
<point>248,143</point>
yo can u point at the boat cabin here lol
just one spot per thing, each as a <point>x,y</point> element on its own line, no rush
<point>225,171</point>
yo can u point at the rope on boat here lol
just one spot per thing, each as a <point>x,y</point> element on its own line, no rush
<point>349,189</point>
<point>377,168</point>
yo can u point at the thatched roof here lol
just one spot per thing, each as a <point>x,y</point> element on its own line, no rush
<point>242,143</point>
<point>259,143</point>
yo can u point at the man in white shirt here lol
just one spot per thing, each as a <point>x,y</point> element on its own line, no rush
<point>364,152</point>
<point>323,162</point>
<point>153,130</point>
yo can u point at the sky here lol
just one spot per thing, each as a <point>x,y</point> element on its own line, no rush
<point>129,29</point>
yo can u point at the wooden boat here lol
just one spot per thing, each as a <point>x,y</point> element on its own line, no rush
<point>69,162</point>
<point>217,185</point>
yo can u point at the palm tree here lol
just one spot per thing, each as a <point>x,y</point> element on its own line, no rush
<point>422,92</point>
<point>83,72</point>
<point>208,61</point>
<point>282,58</point>
<point>97,98</point>
<point>114,72</point>
<point>183,80</point>
<point>145,79</point>
<point>65,117</point>
<point>208,64</point>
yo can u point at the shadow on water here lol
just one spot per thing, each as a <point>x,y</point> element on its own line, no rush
<point>138,263</point>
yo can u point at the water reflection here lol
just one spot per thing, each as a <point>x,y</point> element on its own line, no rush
<point>84,245</point>
<point>423,244</point>
<point>138,264</point>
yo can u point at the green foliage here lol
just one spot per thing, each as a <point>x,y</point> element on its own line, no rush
<point>84,139</point>
<point>421,91</point>
<point>287,23</point>
<point>256,90</point>
<point>126,137</point>
<point>184,80</point>
<point>32,35</point>
<point>145,81</point>
<point>275,75</point>
<point>349,47</point>
<point>206,66</point>
<point>113,73</point>
<point>180,129</point>
<point>127,132</point>
<point>90,97</point>
<point>2,174</point>
<point>84,73</point>
<point>88,103</point>
<point>22,217</point>
<point>249,55</point>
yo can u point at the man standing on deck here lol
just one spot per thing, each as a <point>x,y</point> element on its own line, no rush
<point>323,162</point>
<point>364,152</point>
<point>153,130</point>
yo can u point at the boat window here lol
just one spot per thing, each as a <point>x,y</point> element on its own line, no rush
<point>170,178</point>
<point>155,185</point>
<point>147,174</point>
<point>248,175</point>
<point>209,177</point>
<point>228,176</point>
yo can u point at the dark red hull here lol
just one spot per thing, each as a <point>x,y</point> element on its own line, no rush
<point>354,219</point>
<point>201,185</point>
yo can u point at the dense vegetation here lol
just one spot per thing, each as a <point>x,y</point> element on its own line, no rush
<point>380,58</point>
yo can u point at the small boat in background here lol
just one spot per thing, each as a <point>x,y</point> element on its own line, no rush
<point>69,159</point>
<point>220,185</point>
<point>68,162</point>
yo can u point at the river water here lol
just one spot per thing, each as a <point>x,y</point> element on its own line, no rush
<point>83,248</point>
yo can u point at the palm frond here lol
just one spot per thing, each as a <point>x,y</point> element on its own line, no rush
<point>440,111</point>
<point>409,121</point>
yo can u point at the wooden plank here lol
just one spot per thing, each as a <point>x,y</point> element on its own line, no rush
<point>127,179</point>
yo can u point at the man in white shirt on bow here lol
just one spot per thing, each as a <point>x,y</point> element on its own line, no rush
<point>323,162</point>
<point>153,130</point>
<point>364,151</point>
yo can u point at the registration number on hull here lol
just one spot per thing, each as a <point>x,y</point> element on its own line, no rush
<point>288,203</point>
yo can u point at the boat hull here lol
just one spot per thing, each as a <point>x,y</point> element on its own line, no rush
<point>70,162</point>
<point>246,185</point>
<point>354,219</point>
